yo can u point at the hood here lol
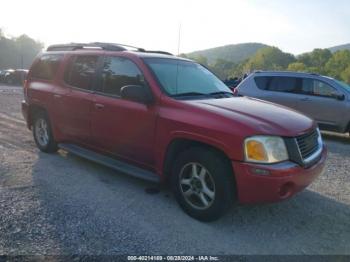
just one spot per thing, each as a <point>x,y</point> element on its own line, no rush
<point>259,116</point>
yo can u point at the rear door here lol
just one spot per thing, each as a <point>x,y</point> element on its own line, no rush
<point>121,127</point>
<point>42,84</point>
<point>278,89</point>
<point>318,100</point>
<point>73,99</point>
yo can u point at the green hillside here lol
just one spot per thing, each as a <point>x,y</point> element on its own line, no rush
<point>233,53</point>
<point>235,60</point>
<point>339,47</point>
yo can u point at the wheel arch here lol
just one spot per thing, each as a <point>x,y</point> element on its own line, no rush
<point>33,110</point>
<point>348,128</point>
<point>178,145</point>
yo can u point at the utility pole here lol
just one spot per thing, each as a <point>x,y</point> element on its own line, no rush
<point>179,40</point>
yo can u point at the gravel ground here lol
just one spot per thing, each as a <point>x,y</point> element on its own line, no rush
<point>61,205</point>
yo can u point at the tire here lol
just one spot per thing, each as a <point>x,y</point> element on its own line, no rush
<point>42,133</point>
<point>207,195</point>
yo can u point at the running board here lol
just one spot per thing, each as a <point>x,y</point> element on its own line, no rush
<point>111,162</point>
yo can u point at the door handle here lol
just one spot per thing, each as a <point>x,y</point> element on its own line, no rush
<point>57,96</point>
<point>99,106</point>
<point>305,99</point>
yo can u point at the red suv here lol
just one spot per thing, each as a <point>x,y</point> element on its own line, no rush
<point>164,118</point>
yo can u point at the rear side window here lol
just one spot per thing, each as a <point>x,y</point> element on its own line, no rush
<point>283,84</point>
<point>118,72</point>
<point>80,71</point>
<point>46,67</point>
<point>277,83</point>
<point>262,82</point>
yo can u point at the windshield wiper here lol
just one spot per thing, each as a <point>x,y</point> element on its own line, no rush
<point>221,93</point>
<point>189,94</point>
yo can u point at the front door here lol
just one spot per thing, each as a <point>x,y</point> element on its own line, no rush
<point>319,100</point>
<point>121,127</point>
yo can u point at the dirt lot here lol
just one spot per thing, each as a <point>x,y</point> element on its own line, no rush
<point>62,204</point>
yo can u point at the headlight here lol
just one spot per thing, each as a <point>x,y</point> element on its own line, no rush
<point>265,149</point>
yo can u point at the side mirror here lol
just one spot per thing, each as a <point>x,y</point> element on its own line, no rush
<point>234,90</point>
<point>339,96</point>
<point>137,93</point>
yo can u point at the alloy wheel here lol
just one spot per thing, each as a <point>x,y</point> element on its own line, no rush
<point>197,186</point>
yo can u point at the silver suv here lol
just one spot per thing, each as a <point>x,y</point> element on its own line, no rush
<point>322,98</point>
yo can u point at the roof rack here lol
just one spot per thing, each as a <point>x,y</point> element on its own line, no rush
<point>284,71</point>
<point>96,45</point>
<point>100,45</point>
<point>158,52</point>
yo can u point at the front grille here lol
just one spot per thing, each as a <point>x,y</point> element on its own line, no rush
<point>306,149</point>
<point>308,144</point>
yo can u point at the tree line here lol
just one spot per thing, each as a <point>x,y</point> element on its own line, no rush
<point>320,61</point>
<point>18,52</point>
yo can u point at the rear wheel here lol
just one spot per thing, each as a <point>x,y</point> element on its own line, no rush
<point>43,134</point>
<point>203,183</point>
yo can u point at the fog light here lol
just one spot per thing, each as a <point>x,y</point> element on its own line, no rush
<point>286,190</point>
<point>260,172</point>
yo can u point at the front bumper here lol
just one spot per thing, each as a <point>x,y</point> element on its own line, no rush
<point>270,183</point>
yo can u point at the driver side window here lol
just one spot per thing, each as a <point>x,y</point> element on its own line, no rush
<point>118,72</point>
<point>317,88</point>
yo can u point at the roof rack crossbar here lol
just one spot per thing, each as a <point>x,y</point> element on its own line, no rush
<point>108,45</point>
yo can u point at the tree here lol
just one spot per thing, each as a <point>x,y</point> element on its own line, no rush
<point>297,67</point>
<point>269,58</point>
<point>222,68</point>
<point>18,52</point>
<point>316,58</point>
<point>200,59</point>
<point>338,63</point>
<point>345,75</point>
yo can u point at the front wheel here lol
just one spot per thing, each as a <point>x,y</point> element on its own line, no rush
<point>43,134</point>
<point>203,183</point>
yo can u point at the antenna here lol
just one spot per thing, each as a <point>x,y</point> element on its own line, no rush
<point>179,40</point>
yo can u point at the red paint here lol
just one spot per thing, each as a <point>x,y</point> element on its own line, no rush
<point>261,189</point>
<point>141,134</point>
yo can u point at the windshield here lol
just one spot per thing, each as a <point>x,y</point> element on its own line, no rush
<point>343,84</point>
<point>186,78</point>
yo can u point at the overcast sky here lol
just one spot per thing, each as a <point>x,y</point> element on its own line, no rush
<point>294,26</point>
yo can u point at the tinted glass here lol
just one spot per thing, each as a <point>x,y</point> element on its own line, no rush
<point>282,84</point>
<point>46,67</point>
<point>343,84</point>
<point>181,77</point>
<point>81,71</point>
<point>317,88</point>
<point>118,72</point>
<point>262,82</point>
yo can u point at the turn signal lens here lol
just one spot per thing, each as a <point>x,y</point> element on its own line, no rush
<point>256,151</point>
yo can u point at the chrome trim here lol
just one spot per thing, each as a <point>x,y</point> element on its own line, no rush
<point>317,152</point>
